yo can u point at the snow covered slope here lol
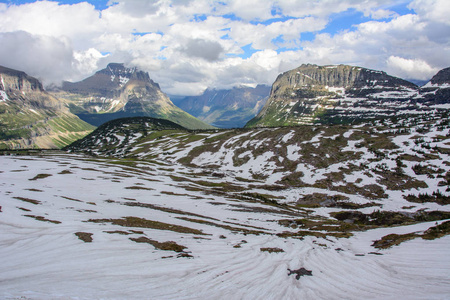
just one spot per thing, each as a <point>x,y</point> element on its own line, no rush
<point>77,228</point>
<point>167,213</point>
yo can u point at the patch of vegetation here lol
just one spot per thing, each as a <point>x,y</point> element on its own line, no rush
<point>43,219</point>
<point>64,172</point>
<point>135,187</point>
<point>437,231</point>
<point>40,176</point>
<point>436,197</point>
<point>388,218</point>
<point>118,232</point>
<point>227,227</point>
<point>34,190</point>
<point>271,250</point>
<point>431,233</point>
<point>166,246</point>
<point>144,223</point>
<point>84,236</point>
<point>32,201</point>
<point>393,239</point>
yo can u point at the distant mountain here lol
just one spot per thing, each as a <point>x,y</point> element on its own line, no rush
<point>117,92</point>
<point>341,94</point>
<point>437,90</point>
<point>226,108</point>
<point>32,118</point>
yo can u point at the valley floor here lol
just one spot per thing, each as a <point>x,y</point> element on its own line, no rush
<point>73,227</point>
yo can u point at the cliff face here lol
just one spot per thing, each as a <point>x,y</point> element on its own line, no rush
<point>32,118</point>
<point>338,94</point>
<point>437,90</point>
<point>116,92</point>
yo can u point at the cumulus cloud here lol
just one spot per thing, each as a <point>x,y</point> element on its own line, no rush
<point>46,57</point>
<point>410,68</point>
<point>190,45</point>
<point>208,50</point>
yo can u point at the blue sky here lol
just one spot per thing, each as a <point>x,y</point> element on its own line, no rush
<point>190,45</point>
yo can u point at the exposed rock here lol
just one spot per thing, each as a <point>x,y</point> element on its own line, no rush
<point>300,272</point>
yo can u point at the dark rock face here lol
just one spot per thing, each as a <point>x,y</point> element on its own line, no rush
<point>299,273</point>
<point>437,90</point>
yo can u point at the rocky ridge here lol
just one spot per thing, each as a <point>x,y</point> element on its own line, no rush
<point>342,94</point>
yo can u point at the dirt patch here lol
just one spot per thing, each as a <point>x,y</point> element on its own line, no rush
<point>43,219</point>
<point>166,246</point>
<point>32,201</point>
<point>84,236</point>
<point>40,176</point>
<point>144,223</point>
<point>271,250</point>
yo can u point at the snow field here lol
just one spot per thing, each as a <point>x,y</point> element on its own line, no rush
<point>42,260</point>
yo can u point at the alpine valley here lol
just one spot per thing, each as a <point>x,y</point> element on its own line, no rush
<point>338,189</point>
<point>226,108</point>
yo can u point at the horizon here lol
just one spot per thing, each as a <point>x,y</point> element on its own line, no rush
<point>189,46</point>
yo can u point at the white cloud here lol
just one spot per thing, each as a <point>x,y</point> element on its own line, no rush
<point>410,68</point>
<point>188,45</point>
<point>45,57</point>
<point>433,10</point>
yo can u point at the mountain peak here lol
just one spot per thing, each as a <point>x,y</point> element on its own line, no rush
<point>441,79</point>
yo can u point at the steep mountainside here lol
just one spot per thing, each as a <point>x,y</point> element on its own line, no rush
<point>117,92</point>
<point>226,108</point>
<point>339,94</point>
<point>437,90</point>
<point>30,117</point>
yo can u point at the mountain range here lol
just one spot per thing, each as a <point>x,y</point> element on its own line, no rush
<point>117,92</point>
<point>31,117</point>
<point>346,94</point>
<point>224,108</point>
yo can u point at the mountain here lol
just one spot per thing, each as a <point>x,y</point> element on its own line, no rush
<point>437,90</point>
<point>340,94</point>
<point>226,108</point>
<point>32,118</point>
<point>155,211</point>
<point>123,131</point>
<point>117,92</point>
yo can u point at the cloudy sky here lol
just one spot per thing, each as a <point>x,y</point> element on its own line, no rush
<point>189,45</point>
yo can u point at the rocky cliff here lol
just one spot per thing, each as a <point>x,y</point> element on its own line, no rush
<point>437,90</point>
<point>117,92</point>
<point>32,118</point>
<point>339,94</point>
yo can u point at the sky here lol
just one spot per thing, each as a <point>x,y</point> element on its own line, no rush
<point>190,45</point>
